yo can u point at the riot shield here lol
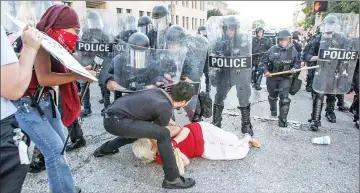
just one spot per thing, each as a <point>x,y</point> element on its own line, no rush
<point>197,47</point>
<point>230,60</point>
<point>136,68</point>
<point>95,42</point>
<point>126,26</point>
<point>338,51</point>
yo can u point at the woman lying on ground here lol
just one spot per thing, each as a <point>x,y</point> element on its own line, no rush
<point>198,139</point>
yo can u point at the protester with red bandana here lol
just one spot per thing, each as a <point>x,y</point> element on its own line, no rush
<point>42,120</point>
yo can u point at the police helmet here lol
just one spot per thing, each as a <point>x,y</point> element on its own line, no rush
<point>139,41</point>
<point>202,28</point>
<point>295,35</point>
<point>159,11</point>
<point>283,34</point>
<point>259,29</point>
<point>93,15</point>
<point>230,22</point>
<point>331,19</point>
<point>144,21</point>
<point>175,33</point>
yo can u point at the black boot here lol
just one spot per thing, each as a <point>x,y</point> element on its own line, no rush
<point>217,115</point>
<point>76,144</point>
<point>76,136</point>
<point>178,183</point>
<point>246,126</point>
<point>258,81</point>
<point>330,107</point>
<point>315,121</point>
<point>197,118</point>
<point>341,103</point>
<point>284,105</point>
<point>101,101</point>
<point>273,106</point>
<point>37,162</point>
<point>86,113</point>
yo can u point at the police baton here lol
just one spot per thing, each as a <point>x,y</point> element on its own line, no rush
<point>291,71</point>
<point>97,63</point>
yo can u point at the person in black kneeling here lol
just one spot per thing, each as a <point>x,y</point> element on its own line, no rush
<point>145,114</point>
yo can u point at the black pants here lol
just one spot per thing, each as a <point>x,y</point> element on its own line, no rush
<point>116,143</point>
<point>12,172</point>
<point>310,78</point>
<point>136,129</point>
<point>278,87</point>
<point>86,102</point>
<point>105,94</point>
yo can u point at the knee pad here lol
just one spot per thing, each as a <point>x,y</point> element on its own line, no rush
<point>272,98</point>
<point>285,101</point>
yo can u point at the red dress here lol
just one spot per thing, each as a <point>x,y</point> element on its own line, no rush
<point>192,145</point>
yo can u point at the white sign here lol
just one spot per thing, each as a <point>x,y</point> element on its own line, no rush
<point>58,52</point>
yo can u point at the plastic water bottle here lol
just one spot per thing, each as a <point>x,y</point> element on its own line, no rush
<point>321,140</point>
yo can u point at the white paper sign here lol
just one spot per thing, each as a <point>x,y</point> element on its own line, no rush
<point>58,52</point>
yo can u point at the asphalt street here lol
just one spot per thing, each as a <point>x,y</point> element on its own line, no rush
<point>286,162</point>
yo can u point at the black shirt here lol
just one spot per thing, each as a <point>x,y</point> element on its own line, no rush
<point>152,105</point>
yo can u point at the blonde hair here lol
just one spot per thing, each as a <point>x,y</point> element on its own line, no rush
<point>142,150</point>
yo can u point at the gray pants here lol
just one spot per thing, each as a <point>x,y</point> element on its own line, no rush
<point>227,79</point>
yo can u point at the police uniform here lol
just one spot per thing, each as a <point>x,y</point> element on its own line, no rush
<point>259,46</point>
<point>226,78</point>
<point>313,50</point>
<point>278,59</point>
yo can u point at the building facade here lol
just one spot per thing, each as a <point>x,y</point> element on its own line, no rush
<point>189,14</point>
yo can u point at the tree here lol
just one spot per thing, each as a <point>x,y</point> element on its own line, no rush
<point>214,12</point>
<point>333,7</point>
<point>233,12</point>
<point>258,23</point>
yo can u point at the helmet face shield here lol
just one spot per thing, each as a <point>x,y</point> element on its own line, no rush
<point>137,59</point>
<point>95,24</point>
<point>204,32</point>
<point>284,41</point>
<point>160,24</point>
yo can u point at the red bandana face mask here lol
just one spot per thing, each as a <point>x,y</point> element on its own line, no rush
<point>66,39</point>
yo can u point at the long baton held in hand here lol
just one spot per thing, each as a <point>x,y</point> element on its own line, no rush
<point>97,64</point>
<point>296,70</point>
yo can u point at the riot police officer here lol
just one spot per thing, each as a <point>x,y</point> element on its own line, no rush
<point>328,37</point>
<point>231,44</point>
<point>95,34</point>
<point>160,18</point>
<point>199,110</point>
<point>278,58</point>
<point>128,27</point>
<point>310,72</point>
<point>260,45</point>
<point>144,24</point>
<point>296,41</point>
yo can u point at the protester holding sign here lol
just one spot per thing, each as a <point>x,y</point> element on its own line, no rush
<point>37,115</point>
<point>278,58</point>
<point>15,77</point>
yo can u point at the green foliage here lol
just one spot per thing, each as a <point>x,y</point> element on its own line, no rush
<point>258,23</point>
<point>214,12</point>
<point>333,7</point>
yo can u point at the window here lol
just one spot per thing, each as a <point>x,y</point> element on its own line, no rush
<point>128,10</point>
<point>192,4</point>
<point>68,3</point>
<point>195,4</point>
<point>149,14</point>
<point>141,13</point>
<point>183,21</point>
<point>183,3</point>
<point>119,10</point>
<point>192,23</point>
<point>95,4</point>
<point>196,21</point>
<point>187,22</point>
<point>172,19</point>
<point>187,3</point>
<point>177,19</point>
<point>176,2</point>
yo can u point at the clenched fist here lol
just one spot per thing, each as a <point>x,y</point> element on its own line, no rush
<point>31,38</point>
